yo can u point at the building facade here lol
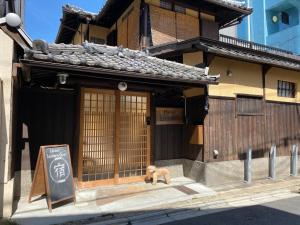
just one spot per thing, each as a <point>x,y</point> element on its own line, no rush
<point>141,94</point>
<point>12,44</point>
<point>278,24</point>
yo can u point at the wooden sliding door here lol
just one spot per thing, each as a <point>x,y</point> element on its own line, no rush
<point>134,134</point>
<point>114,136</point>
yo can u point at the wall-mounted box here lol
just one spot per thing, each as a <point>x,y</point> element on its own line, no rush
<point>197,136</point>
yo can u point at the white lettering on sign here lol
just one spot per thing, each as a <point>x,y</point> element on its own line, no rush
<point>59,170</point>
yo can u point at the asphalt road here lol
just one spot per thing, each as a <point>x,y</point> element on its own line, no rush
<point>283,212</point>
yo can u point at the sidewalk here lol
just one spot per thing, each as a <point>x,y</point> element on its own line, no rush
<point>162,204</point>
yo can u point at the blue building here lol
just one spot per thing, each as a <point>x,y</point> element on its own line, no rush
<point>274,23</point>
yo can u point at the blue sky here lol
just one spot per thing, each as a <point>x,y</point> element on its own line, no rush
<point>42,17</point>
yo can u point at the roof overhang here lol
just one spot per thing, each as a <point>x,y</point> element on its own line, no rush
<point>70,23</point>
<point>17,34</point>
<point>109,74</point>
<point>225,13</point>
<point>226,50</point>
<point>111,11</point>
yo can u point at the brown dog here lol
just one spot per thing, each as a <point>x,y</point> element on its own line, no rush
<point>154,173</point>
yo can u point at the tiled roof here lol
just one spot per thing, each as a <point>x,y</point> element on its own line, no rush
<point>229,50</point>
<point>250,56</point>
<point>232,3</point>
<point>118,59</point>
<point>79,11</point>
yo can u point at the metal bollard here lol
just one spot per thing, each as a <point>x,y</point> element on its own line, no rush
<point>272,163</point>
<point>248,167</point>
<point>294,161</point>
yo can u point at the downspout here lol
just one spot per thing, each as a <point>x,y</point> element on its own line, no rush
<point>249,22</point>
<point>265,22</point>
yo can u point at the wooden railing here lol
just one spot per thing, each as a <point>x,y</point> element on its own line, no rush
<point>254,46</point>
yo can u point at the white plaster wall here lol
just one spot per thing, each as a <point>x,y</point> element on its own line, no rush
<point>6,185</point>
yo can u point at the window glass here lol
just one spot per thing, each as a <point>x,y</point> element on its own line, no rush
<point>285,18</point>
<point>166,4</point>
<point>286,89</point>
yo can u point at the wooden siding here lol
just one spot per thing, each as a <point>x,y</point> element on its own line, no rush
<point>168,26</point>
<point>187,27</point>
<point>128,26</point>
<point>168,142</point>
<point>283,126</point>
<point>233,134</point>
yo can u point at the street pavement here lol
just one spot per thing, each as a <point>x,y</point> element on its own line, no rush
<point>265,202</point>
<point>281,212</point>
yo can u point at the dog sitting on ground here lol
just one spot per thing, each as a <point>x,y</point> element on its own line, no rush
<point>154,173</point>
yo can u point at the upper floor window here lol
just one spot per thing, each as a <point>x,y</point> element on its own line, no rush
<point>166,4</point>
<point>286,89</point>
<point>179,9</point>
<point>285,18</point>
<point>279,19</point>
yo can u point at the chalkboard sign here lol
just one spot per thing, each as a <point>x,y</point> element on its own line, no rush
<point>53,175</point>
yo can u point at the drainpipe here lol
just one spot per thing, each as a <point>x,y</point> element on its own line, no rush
<point>249,22</point>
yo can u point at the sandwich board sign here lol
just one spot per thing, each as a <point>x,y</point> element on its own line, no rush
<point>53,175</point>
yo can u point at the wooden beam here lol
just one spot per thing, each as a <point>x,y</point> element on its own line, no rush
<point>265,70</point>
<point>208,58</point>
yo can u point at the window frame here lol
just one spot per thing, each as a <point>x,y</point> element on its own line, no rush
<point>286,89</point>
<point>256,97</point>
<point>172,6</point>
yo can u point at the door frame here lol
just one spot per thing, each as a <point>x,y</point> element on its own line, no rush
<point>116,179</point>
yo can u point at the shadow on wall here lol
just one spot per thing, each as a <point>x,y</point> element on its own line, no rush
<point>3,143</point>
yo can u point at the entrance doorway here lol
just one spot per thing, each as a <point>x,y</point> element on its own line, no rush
<point>114,136</point>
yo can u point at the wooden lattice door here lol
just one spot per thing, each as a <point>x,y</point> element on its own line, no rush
<point>115,137</point>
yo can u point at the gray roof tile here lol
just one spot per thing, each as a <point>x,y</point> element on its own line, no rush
<point>118,58</point>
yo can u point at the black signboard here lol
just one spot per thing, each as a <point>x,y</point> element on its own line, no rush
<point>53,175</point>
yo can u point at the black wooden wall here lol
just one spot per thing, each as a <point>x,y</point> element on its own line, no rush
<point>49,116</point>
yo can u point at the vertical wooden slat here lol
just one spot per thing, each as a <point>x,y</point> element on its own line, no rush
<point>117,134</point>
<point>82,130</point>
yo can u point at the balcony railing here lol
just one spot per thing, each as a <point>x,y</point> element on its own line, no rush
<point>255,46</point>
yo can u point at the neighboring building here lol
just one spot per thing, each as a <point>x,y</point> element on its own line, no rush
<point>172,113</point>
<point>274,23</point>
<point>12,44</point>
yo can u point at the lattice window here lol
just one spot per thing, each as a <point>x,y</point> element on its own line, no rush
<point>179,9</point>
<point>286,89</point>
<point>249,105</point>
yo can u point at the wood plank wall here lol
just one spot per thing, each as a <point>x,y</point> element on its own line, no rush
<point>233,134</point>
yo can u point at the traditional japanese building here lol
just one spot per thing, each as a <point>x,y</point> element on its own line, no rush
<point>130,86</point>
